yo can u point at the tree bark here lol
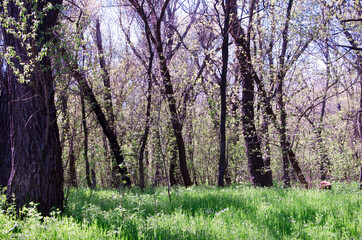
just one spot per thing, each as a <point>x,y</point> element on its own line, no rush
<point>240,40</point>
<point>223,85</point>
<point>110,134</point>
<point>5,147</point>
<point>107,88</point>
<point>324,161</point>
<point>158,42</point>
<point>280,99</point>
<point>253,146</point>
<point>85,139</point>
<point>148,115</point>
<point>37,171</point>
<point>72,172</point>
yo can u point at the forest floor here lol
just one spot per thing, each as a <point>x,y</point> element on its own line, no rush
<point>237,212</point>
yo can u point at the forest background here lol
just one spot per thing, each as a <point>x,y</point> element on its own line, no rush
<point>183,92</point>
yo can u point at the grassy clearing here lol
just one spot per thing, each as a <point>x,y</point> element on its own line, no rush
<point>238,212</point>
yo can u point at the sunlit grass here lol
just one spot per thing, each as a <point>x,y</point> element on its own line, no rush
<point>238,212</point>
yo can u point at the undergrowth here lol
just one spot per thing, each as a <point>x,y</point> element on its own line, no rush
<point>237,212</point>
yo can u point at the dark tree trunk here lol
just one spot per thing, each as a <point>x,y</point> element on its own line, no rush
<point>283,133</point>
<point>72,172</point>
<point>110,134</point>
<point>191,148</point>
<point>85,139</point>
<point>225,56</point>
<point>253,145</point>
<point>5,147</point>
<point>105,76</point>
<point>280,100</point>
<point>159,43</point>
<point>175,119</point>
<point>107,90</point>
<point>174,173</point>
<point>37,171</point>
<point>324,161</point>
<point>94,179</point>
<point>240,40</point>
<point>266,137</point>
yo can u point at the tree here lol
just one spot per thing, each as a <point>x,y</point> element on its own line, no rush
<point>253,145</point>
<point>5,148</point>
<point>153,22</point>
<point>223,84</point>
<point>37,171</point>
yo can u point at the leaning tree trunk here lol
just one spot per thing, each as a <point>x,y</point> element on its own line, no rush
<point>5,153</point>
<point>175,118</point>
<point>37,171</point>
<point>97,110</point>
<point>107,92</point>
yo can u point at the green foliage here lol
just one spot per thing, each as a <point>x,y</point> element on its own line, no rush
<point>238,212</point>
<point>25,29</point>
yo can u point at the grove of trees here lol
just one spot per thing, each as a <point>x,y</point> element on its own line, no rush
<point>177,92</point>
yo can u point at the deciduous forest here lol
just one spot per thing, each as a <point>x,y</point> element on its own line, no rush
<point>151,96</point>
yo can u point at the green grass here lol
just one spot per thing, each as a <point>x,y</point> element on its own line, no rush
<point>238,212</point>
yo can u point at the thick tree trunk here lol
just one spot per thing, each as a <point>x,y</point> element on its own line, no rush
<point>239,38</point>
<point>174,172</point>
<point>5,147</point>
<point>37,171</point>
<point>252,143</point>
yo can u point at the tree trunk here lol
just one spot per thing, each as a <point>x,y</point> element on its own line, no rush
<point>280,99</point>
<point>252,144</point>
<point>85,139</point>
<point>175,120</point>
<point>107,89</point>
<point>105,76</point>
<point>5,147</point>
<point>266,137</point>
<point>72,172</point>
<point>94,179</point>
<point>324,161</point>
<point>174,172</point>
<point>37,171</point>
<point>225,57</point>
<point>239,38</point>
<point>111,135</point>
<point>148,115</point>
